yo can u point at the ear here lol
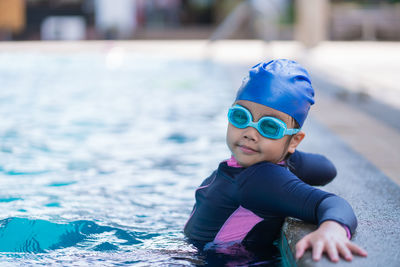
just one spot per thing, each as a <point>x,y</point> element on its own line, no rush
<point>295,141</point>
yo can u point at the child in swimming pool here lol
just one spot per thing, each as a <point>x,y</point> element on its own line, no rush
<point>247,198</point>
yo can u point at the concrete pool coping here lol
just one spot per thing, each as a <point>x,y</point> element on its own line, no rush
<point>367,176</point>
<point>374,197</point>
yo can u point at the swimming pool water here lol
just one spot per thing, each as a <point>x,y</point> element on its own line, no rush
<point>101,154</point>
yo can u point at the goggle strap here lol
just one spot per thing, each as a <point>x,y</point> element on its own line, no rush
<point>292,131</point>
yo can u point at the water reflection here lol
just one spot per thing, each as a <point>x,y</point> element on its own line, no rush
<point>99,166</point>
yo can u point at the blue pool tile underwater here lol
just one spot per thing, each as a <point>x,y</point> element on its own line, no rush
<point>100,161</point>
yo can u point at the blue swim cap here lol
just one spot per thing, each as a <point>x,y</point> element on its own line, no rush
<point>280,84</point>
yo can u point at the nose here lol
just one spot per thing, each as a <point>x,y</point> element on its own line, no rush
<point>251,133</point>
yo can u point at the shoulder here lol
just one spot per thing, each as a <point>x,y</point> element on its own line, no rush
<point>263,168</point>
<point>225,170</point>
<point>209,179</point>
<point>266,172</point>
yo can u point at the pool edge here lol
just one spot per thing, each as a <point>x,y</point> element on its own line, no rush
<point>286,253</point>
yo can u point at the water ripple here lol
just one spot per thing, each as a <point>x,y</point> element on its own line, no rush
<point>29,235</point>
<point>99,165</point>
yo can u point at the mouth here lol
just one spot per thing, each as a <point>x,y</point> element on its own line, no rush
<point>247,150</point>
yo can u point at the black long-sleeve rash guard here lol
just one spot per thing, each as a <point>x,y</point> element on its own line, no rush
<point>313,169</point>
<point>248,205</point>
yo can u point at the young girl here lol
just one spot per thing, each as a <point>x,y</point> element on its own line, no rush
<point>247,198</point>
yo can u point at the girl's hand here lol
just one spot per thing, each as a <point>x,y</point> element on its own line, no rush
<point>331,238</point>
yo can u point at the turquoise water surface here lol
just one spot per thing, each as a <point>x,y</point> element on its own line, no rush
<point>101,154</point>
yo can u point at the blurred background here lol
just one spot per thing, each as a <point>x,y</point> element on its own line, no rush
<point>199,19</point>
<point>109,110</point>
<point>351,48</point>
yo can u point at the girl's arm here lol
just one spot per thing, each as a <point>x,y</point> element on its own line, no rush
<point>284,194</point>
<point>313,169</point>
<point>330,237</point>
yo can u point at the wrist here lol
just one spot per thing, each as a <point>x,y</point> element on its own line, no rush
<point>333,225</point>
<point>348,233</point>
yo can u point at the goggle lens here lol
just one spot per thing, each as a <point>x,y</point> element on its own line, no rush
<point>239,118</point>
<point>269,128</point>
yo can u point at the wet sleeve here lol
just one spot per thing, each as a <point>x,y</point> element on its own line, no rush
<point>313,169</point>
<point>337,209</point>
<point>281,192</point>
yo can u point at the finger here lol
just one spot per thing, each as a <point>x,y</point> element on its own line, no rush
<point>356,249</point>
<point>345,252</point>
<point>318,247</point>
<point>332,251</point>
<point>301,246</point>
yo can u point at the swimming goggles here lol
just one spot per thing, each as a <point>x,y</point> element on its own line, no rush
<point>269,127</point>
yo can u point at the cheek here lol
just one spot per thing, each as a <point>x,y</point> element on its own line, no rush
<point>274,147</point>
<point>232,134</point>
<point>228,133</point>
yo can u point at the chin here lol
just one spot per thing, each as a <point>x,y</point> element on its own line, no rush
<point>245,163</point>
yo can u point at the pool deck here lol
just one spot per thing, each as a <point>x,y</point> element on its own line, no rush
<point>355,123</point>
<point>374,197</point>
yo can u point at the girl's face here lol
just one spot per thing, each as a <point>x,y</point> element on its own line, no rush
<point>249,147</point>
